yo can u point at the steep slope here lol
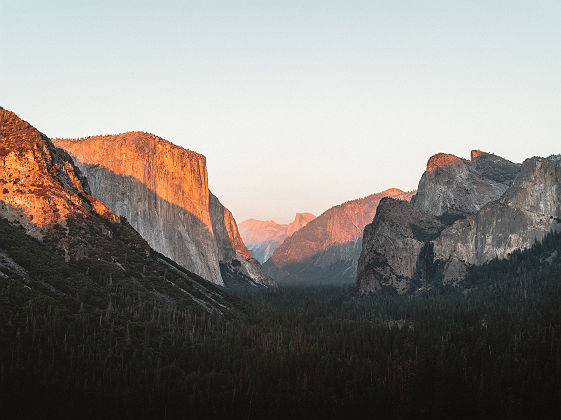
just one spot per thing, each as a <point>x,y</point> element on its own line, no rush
<point>326,250</point>
<point>394,245</point>
<point>162,190</point>
<point>64,245</point>
<point>452,185</point>
<point>524,213</point>
<point>263,237</point>
<point>39,186</point>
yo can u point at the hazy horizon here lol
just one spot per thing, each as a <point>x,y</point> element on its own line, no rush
<point>297,107</point>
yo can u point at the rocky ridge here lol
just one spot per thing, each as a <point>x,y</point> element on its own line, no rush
<point>326,250</point>
<point>162,190</point>
<point>40,186</point>
<point>460,218</point>
<point>263,237</point>
<point>458,186</point>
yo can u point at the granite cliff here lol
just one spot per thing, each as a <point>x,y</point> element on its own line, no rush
<point>465,213</point>
<point>326,250</point>
<point>80,252</point>
<point>263,237</point>
<point>452,185</point>
<point>162,190</point>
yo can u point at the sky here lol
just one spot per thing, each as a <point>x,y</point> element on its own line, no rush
<point>297,105</point>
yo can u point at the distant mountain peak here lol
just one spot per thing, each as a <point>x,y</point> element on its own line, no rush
<point>300,220</point>
<point>304,214</point>
<point>262,237</point>
<point>392,191</point>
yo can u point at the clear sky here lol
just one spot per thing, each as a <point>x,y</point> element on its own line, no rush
<point>297,105</point>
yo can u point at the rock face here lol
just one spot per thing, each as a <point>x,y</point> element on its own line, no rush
<point>40,188</point>
<point>162,190</point>
<point>326,250</point>
<point>393,245</point>
<point>263,237</point>
<point>90,252</point>
<point>452,185</point>
<point>437,237</point>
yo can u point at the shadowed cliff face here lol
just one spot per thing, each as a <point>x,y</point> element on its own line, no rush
<point>162,189</point>
<point>473,211</point>
<point>392,246</point>
<point>167,227</point>
<point>39,185</point>
<point>263,237</point>
<point>331,243</point>
<point>529,209</point>
<point>452,185</point>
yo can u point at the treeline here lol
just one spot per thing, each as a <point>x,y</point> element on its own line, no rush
<point>491,348</point>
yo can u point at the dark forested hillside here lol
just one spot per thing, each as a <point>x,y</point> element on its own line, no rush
<point>84,340</point>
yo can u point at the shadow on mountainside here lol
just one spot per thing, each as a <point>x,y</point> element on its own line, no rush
<point>171,229</point>
<point>335,265</point>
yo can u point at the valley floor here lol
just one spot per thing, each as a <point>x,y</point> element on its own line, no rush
<point>490,349</point>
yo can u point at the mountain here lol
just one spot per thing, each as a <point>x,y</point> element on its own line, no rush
<point>458,186</point>
<point>162,191</point>
<point>326,250</point>
<point>62,247</point>
<point>41,189</point>
<point>263,237</point>
<point>466,213</point>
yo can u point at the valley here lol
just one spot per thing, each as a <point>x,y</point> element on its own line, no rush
<point>128,290</point>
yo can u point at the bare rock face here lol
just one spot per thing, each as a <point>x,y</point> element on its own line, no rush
<point>235,260</point>
<point>528,210</point>
<point>396,253</point>
<point>404,230</point>
<point>263,237</point>
<point>326,250</point>
<point>452,185</point>
<point>43,192</point>
<point>40,188</point>
<point>162,190</point>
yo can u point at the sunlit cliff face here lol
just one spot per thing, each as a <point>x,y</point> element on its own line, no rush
<point>234,234</point>
<point>175,174</point>
<point>442,160</point>
<point>162,190</point>
<point>39,186</point>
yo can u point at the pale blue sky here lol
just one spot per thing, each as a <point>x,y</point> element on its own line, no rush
<point>297,105</point>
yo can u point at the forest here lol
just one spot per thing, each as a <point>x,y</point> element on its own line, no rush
<point>98,348</point>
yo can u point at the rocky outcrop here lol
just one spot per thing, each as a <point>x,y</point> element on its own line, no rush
<point>393,247</point>
<point>452,185</point>
<point>162,190</point>
<point>326,250</point>
<point>528,210</point>
<point>40,188</point>
<point>394,255</point>
<point>263,237</point>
